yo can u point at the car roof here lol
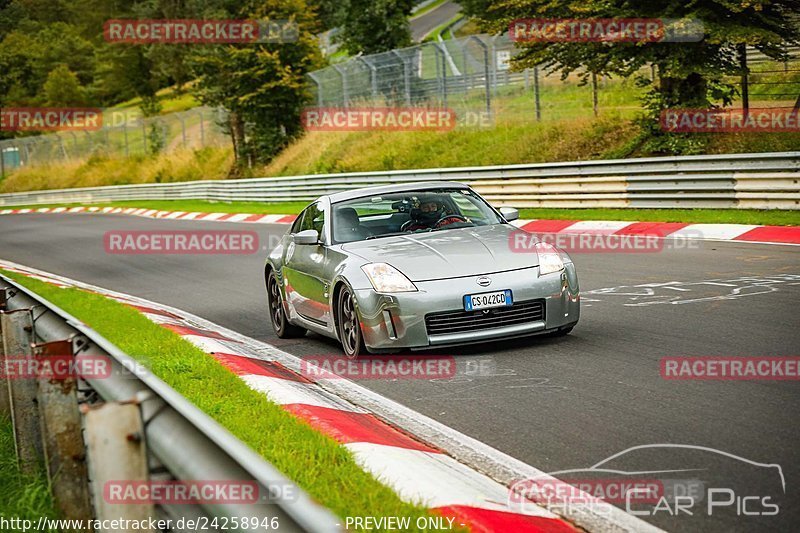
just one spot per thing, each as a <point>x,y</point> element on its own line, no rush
<point>401,187</point>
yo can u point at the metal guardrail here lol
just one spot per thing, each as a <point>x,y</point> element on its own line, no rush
<point>763,181</point>
<point>170,437</point>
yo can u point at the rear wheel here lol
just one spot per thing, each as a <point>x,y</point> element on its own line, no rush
<point>283,329</point>
<point>349,325</point>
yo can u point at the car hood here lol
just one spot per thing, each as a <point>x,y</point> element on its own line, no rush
<point>447,254</point>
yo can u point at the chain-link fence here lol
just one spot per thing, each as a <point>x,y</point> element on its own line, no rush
<point>473,73</point>
<point>470,75</point>
<point>124,133</point>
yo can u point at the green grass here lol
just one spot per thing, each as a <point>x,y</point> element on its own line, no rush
<point>698,216</point>
<point>21,496</point>
<point>320,465</point>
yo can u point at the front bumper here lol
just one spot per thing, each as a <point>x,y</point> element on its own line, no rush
<point>397,321</point>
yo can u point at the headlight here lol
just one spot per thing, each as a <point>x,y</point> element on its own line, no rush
<point>549,258</point>
<point>386,278</point>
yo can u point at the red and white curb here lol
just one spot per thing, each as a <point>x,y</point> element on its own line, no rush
<point>155,213</point>
<point>707,232</point>
<point>788,235</point>
<point>423,461</point>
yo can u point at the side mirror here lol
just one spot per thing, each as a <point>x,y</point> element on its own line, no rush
<point>308,236</point>
<point>509,213</point>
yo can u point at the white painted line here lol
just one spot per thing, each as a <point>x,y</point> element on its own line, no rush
<point>434,479</point>
<point>238,217</point>
<point>190,216</point>
<point>285,392</point>
<point>59,209</point>
<point>603,227</point>
<point>713,231</point>
<point>175,214</point>
<point>213,216</point>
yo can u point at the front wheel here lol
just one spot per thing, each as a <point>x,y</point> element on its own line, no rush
<point>349,326</point>
<point>283,329</point>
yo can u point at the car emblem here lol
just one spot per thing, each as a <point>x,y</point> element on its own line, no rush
<point>483,281</point>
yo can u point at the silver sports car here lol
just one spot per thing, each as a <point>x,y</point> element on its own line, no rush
<point>416,266</point>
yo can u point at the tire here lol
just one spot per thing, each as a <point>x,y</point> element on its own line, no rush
<point>277,315</point>
<point>348,325</point>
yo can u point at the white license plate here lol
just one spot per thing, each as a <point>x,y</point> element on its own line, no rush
<point>487,300</point>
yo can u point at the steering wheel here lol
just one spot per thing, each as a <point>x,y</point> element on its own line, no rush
<point>448,217</point>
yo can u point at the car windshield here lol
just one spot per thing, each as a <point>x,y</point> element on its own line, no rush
<point>384,215</point>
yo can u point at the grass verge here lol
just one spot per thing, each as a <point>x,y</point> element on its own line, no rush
<point>317,463</point>
<point>22,496</point>
<point>768,217</point>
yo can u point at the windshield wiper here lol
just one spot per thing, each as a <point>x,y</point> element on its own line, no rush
<point>387,235</point>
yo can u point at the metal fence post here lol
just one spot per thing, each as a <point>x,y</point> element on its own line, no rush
<point>345,95</point>
<point>2,162</point>
<point>406,77</point>
<point>202,132</point>
<point>183,130</point>
<point>536,93</point>
<point>373,76</point>
<point>64,455</point>
<point>144,136</point>
<point>485,73</point>
<point>439,54</point>
<point>319,88</point>
<point>125,134</point>
<point>594,93</point>
<point>17,335</point>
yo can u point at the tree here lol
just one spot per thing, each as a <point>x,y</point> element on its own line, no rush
<point>690,74</point>
<point>374,26</point>
<point>62,88</point>
<point>262,85</point>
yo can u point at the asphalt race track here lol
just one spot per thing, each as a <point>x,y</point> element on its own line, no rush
<point>427,22</point>
<point>557,404</point>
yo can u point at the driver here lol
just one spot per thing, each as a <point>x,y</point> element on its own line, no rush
<point>429,213</point>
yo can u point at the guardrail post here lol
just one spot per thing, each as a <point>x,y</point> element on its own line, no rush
<point>64,453</point>
<point>117,455</point>
<point>17,335</point>
<point>5,391</point>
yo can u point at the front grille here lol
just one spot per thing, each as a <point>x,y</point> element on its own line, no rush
<point>462,321</point>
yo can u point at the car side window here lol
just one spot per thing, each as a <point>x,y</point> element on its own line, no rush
<point>297,224</point>
<point>314,218</point>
